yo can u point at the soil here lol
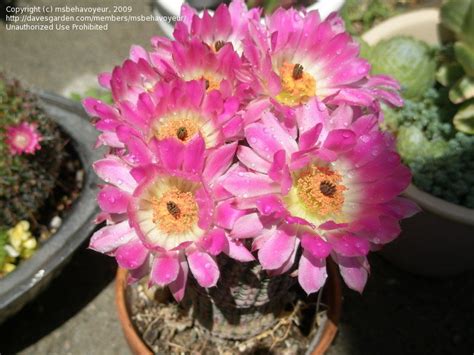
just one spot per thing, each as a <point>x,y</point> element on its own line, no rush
<point>69,183</point>
<point>68,187</point>
<point>168,328</point>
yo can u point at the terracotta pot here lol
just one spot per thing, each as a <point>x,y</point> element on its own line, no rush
<point>318,346</point>
<point>439,241</point>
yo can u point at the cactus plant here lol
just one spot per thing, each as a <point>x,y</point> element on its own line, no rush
<point>26,181</point>
<point>457,69</point>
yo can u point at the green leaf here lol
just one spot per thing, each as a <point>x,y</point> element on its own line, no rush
<point>465,56</point>
<point>75,96</point>
<point>464,118</point>
<point>448,74</point>
<point>463,90</point>
<point>3,242</point>
<point>467,29</point>
<point>453,13</point>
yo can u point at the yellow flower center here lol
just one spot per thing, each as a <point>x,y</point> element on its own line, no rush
<point>182,128</point>
<point>212,83</point>
<point>175,211</point>
<point>21,140</point>
<point>297,85</point>
<point>148,86</point>
<point>317,193</point>
<point>184,125</point>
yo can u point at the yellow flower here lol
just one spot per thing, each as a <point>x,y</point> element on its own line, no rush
<point>30,243</point>
<point>8,267</point>
<point>19,234</point>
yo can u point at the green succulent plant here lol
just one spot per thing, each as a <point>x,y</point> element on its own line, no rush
<point>457,69</point>
<point>26,181</point>
<point>440,157</point>
<point>409,61</point>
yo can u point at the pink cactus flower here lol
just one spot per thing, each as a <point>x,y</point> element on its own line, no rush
<point>170,218</point>
<point>301,57</point>
<point>178,109</point>
<point>170,60</point>
<point>330,187</point>
<point>229,24</point>
<point>23,138</point>
<point>220,70</point>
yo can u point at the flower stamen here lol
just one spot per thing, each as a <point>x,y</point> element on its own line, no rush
<point>297,85</point>
<point>320,191</point>
<point>175,211</point>
<point>182,133</point>
<point>327,188</point>
<point>297,71</point>
<point>218,45</point>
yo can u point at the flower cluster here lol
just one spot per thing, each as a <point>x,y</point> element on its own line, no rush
<point>256,140</point>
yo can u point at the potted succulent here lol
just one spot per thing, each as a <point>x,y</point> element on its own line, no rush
<point>46,191</point>
<point>432,56</point>
<point>168,12</point>
<point>242,156</point>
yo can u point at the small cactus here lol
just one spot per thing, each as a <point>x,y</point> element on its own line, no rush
<point>26,180</point>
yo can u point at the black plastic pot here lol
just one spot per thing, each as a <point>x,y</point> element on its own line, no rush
<point>33,275</point>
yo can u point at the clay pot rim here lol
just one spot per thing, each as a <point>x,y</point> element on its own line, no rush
<point>323,338</point>
<point>387,29</point>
